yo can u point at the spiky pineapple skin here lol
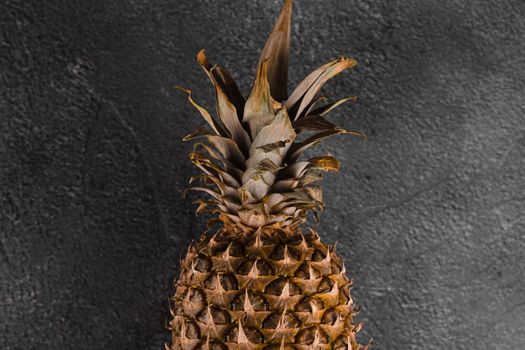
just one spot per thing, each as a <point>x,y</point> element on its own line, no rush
<point>262,290</point>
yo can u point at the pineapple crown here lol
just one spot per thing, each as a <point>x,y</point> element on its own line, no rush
<point>250,155</point>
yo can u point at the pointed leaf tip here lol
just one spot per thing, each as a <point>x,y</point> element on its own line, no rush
<point>355,133</point>
<point>326,163</point>
<point>277,50</point>
<point>308,89</point>
<point>204,113</point>
<point>202,60</point>
<point>229,100</point>
<point>258,110</point>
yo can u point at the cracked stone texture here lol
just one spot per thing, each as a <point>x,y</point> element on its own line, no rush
<point>429,212</point>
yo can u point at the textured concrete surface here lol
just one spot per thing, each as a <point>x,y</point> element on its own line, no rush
<point>429,213</point>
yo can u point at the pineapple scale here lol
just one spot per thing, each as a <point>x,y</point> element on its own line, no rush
<point>263,290</point>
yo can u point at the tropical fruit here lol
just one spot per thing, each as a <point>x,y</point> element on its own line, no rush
<point>261,278</point>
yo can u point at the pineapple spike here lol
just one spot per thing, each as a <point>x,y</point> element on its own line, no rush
<point>316,345</point>
<point>248,307</point>
<point>281,347</point>
<point>241,336</point>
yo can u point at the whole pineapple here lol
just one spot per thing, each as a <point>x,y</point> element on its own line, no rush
<point>259,281</point>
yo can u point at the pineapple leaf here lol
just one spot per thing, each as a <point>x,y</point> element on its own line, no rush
<point>313,123</point>
<point>273,140</point>
<point>323,110</point>
<point>276,50</point>
<point>326,163</point>
<point>314,103</point>
<point>297,149</point>
<point>307,90</point>
<point>222,77</point>
<point>200,132</point>
<point>226,110</point>
<point>204,113</point>
<point>259,111</point>
<point>229,150</point>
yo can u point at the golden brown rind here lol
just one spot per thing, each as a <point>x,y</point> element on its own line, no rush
<point>261,290</point>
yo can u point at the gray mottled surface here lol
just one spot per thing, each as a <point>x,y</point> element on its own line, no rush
<point>429,213</point>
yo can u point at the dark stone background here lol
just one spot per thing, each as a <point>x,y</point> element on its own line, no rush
<point>429,213</point>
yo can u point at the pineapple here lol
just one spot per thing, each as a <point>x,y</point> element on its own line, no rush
<point>262,280</point>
